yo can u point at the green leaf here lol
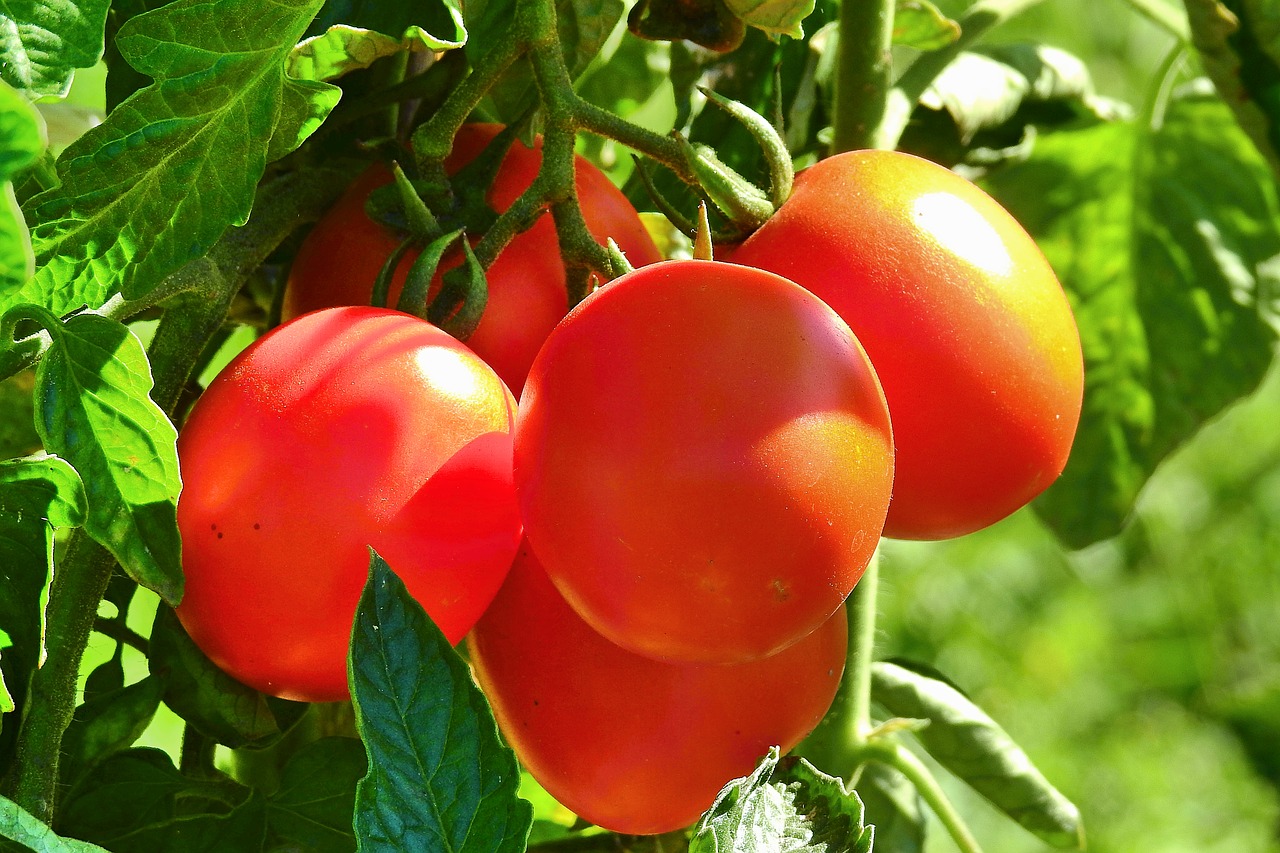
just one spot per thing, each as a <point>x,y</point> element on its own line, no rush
<point>963,739</point>
<point>217,705</point>
<point>37,495</point>
<point>1168,242</point>
<point>21,142</point>
<point>94,410</point>
<point>438,21</point>
<point>894,806</point>
<point>315,804</point>
<point>921,25</point>
<point>221,109</point>
<point>44,41</point>
<point>1239,45</point>
<point>775,17</point>
<point>784,806</point>
<point>439,776</point>
<point>22,827</point>
<point>342,49</point>
<point>107,724</point>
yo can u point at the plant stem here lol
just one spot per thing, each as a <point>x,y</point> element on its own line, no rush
<point>906,762</point>
<point>864,75</point>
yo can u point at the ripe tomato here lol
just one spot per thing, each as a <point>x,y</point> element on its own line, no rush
<point>629,743</point>
<point>703,461</point>
<point>341,257</point>
<point>964,320</point>
<point>342,430</point>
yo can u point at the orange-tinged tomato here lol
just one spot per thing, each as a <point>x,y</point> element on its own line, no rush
<point>703,461</point>
<point>341,257</point>
<point>968,328</point>
<point>342,430</point>
<point>629,743</point>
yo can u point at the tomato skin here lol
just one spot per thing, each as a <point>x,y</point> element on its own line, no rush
<point>967,326</point>
<point>345,429</point>
<point>703,461</point>
<point>339,260</point>
<point>629,743</point>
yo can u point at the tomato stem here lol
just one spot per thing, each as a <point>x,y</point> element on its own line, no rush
<point>906,762</point>
<point>864,76</point>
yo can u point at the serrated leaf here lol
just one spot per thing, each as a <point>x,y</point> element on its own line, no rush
<point>37,495</point>
<point>107,724</point>
<point>1168,242</point>
<point>220,109</point>
<point>24,828</point>
<point>95,412</point>
<point>44,41</point>
<point>439,775</point>
<point>776,17</point>
<point>784,806</point>
<point>21,142</point>
<point>315,804</point>
<point>342,49</point>
<point>965,740</point>
<point>217,705</point>
<point>894,806</point>
<point>1239,46</point>
<point>921,25</point>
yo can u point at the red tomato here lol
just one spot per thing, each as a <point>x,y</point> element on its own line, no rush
<point>703,461</point>
<point>341,257</point>
<point>342,430</point>
<point>629,743</point>
<point>964,320</point>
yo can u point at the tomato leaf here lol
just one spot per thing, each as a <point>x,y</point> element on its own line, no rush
<point>21,141</point>
<point>439,776</point>
<point>107,724</point>
<point>775,17</point>
<point>963,739</point>
<point>1240,51</point>
<point>220,109</point>
<point>137,802</point>
<point>22,827</point>
<point>93,387</point>
<point>342,49</point>
<point>37,495</point>
<point>784,806</point>
<point>43,42</point>
<point>315,804</point>
<point>213,702</point>
<point>439,21</point>
<point>920,24</point>
<point>894,806</point>
<point>1166,241</point>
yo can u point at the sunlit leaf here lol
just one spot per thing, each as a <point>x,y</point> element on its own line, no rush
<point>21,141</point>
<point>44,41</point>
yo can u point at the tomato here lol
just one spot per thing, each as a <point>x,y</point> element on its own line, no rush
<point>341,257</point>
<point>342,430</point>
<point>703,461</point>
<point>967,326</point>
<point>629,743</point>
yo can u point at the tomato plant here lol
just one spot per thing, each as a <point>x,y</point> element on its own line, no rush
<point>345,429</point>
<point>703,460</point>
<point>963,318</point>
<point>341,257</point>
<point>630,743</point>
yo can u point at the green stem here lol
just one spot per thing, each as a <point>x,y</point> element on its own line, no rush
<point>922,779</point>
<point>864,75</point>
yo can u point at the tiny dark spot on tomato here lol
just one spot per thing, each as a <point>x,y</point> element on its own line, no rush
<point>257,526</point>
<point>213,527</point>
<point>536,703</point>
<point>219,535</point>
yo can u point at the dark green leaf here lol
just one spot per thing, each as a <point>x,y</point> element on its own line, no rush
<point>106,677</point>
<point>1239,48</point>
<point>44,41</point>
<point>784,806</point>
<point>107,724</point>
<point>94,410</point>
<point>221,109</point>
<point>1167,242</point>
<point>18,825</point>
<point>21,143</point>
<point>439,776</point>
<point>963,739</point>
<point>893,806</point>
<point>220,707</point>
<point>314,807</point>
<point>37,494</point>
<point>919,24</point>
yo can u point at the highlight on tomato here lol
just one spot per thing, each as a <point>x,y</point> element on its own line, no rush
<point>342,255</point>
<point>968,328</point>
<point>703,461</point>
<point>344,429</point>
<point>629,743</point>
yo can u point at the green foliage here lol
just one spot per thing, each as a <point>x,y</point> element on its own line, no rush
<point>17,825</point>
<point>21,143</point>
<point>44,42</point>
<point>438,774</point>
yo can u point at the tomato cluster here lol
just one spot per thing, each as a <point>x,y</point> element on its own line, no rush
<point>698,470</point>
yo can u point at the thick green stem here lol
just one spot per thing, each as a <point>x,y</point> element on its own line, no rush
<point>922,779</point>
<point>864,75</point>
